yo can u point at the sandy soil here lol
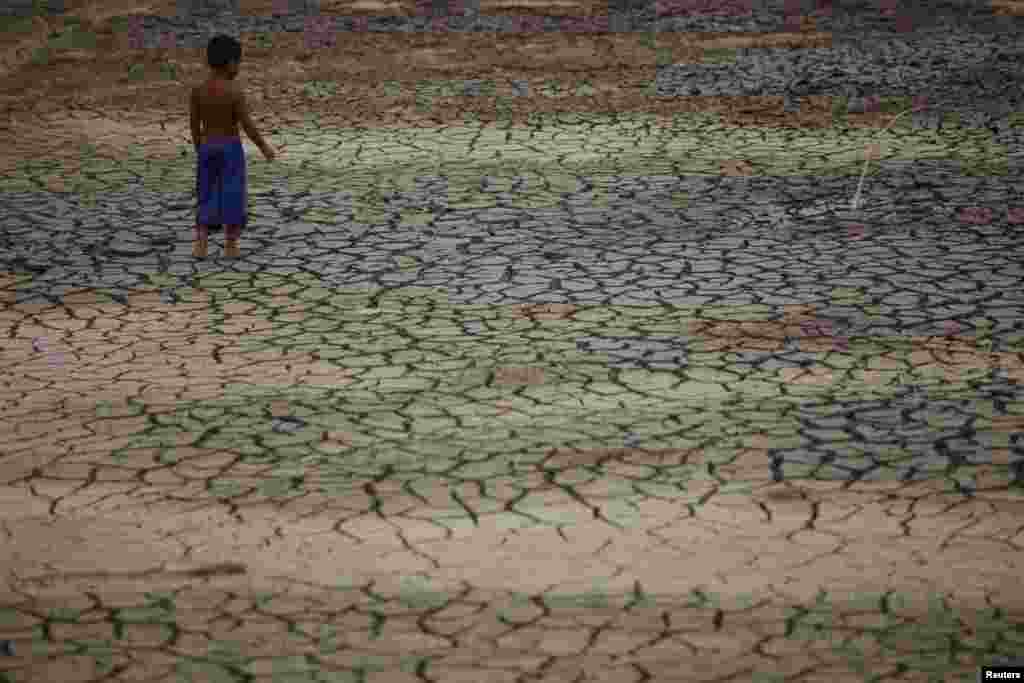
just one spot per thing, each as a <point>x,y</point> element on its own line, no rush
<point>84,95</point>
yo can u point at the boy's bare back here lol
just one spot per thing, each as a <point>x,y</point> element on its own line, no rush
<point>220,107</point>
<point>216,100</point>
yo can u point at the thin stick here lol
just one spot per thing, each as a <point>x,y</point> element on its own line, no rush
<point>855,203</point>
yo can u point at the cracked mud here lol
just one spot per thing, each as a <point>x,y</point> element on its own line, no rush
<point>514,382</point>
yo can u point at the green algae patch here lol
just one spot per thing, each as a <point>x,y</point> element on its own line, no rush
<point>690,146</point>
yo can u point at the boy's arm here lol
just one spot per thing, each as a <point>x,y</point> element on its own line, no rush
<point>195,122</point>
<point>242,109</point>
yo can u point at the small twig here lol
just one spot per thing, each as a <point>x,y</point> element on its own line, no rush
<point>855,203</point>
<point>205,571</point>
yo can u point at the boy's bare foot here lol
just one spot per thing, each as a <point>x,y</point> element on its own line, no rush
<point>231,249</point>
<point>200,248</point>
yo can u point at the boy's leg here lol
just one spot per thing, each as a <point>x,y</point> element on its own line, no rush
<point>231,235</point>
<point>206,174</point>
<point>234,199</point>
<point>201,241</point>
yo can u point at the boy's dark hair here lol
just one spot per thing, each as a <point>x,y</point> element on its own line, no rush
<point>222,50</point>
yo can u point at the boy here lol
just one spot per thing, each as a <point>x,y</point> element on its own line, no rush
<point>217,108</point>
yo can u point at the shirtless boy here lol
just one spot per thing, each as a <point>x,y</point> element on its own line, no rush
<point>218,107</point>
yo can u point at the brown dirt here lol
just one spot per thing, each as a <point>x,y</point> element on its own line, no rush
<point>86,94</point>
<point>1008,7</point>
<point>124,530</point>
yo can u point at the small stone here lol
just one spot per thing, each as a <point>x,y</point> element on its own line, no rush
<point>856,105</point>
<point>287,425</point>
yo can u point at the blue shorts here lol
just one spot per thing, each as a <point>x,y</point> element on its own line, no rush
<point>221,183</point>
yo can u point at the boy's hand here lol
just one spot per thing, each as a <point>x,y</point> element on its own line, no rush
<point>268,152</point>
